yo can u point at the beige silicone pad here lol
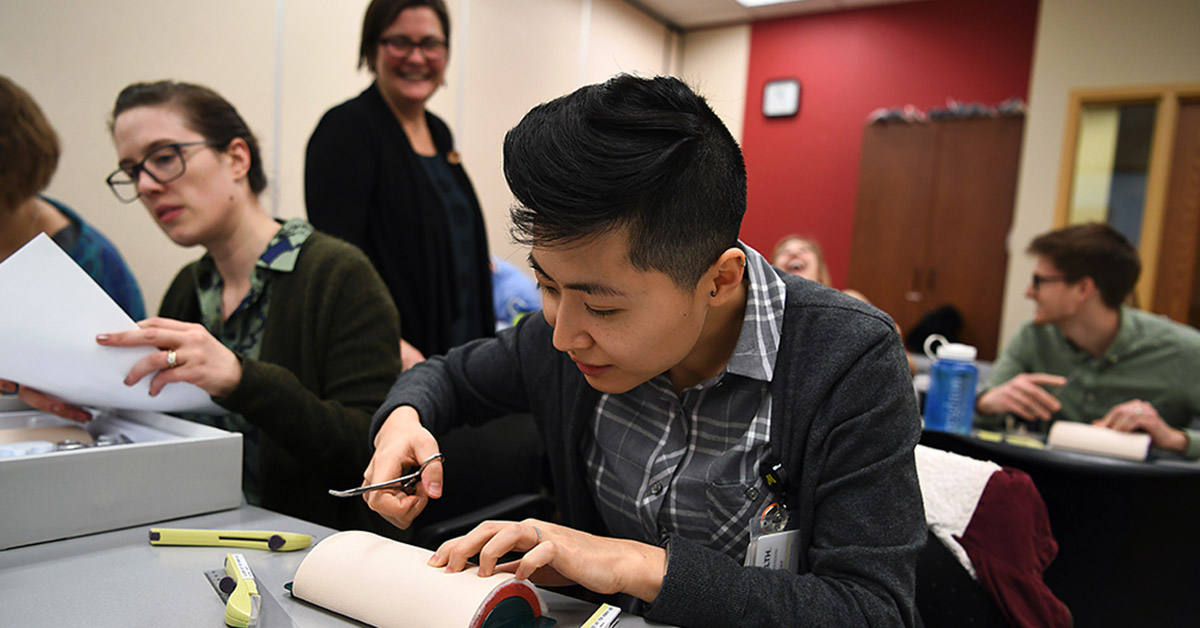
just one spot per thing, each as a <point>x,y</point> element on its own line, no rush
<point>386,583</point>
<point>52,434</point>
<point>1098,440</point>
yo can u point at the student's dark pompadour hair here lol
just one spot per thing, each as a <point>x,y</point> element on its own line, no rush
<point>1093,250</point>
<point>647,155</point>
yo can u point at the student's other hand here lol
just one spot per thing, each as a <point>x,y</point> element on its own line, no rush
<point>402,443</point>
<point>46,403</point>
<point>556,555</point>
<point>1138,415</point>
<point>409,355</point>
<point>1024,396</point>
<point>199,358</point>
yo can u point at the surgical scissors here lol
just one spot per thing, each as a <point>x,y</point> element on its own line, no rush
<point>406,483</point>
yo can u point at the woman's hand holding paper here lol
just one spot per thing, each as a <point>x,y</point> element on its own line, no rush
<point>556,555</point>
<point>189,354</point>
<point>400,443</point>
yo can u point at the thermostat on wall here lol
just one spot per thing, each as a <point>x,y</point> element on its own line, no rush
<point>781,98</point>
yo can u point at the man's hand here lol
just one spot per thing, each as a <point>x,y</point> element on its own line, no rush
<point>557,555</point>
<point>1023,396</point>
<point>1138,415</point>
<point>402,442</point>
<point>410,356</point>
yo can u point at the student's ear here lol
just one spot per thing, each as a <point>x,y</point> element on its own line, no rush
<point>725,275</point>
<point>1085,288</point>
<point>238,154</point>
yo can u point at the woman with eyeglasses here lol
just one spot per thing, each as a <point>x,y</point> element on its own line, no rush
<point>381,172</point>
<point>288,329</point>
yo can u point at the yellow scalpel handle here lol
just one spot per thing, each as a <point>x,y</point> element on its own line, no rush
<point>252,539</point>
<point>244,605</point>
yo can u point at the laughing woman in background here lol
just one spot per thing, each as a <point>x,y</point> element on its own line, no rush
<point>288,329</point>
<point>381,172</point>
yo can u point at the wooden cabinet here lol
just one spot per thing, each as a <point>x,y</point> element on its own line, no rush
<point>935,203</point>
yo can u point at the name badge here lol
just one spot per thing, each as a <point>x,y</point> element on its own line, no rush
<point>772,544</point>
<point>777,550</point>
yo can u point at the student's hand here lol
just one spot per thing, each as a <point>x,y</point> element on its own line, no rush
<point>401,443</point>
<point>46,403</point>
<point>1138,415</point>
<point>200,358</point>
<point>556,555</point>
<point>1023,396</point>
<point>409,355</point>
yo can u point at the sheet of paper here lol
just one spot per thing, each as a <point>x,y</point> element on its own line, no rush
<point>51,313</point>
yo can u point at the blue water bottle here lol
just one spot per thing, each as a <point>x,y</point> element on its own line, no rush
<point>950,403</point>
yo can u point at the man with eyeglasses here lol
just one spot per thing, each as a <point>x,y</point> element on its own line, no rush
<point>1086,357</point>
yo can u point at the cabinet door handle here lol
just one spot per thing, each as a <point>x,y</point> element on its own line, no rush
<point>916,284</point>
<point>931,280</point>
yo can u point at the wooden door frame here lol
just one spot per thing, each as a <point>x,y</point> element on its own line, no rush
<point>1167,97</point>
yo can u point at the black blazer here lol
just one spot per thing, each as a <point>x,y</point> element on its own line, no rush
<point>363,183</point>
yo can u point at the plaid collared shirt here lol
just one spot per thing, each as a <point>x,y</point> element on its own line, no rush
<point>663,463</point>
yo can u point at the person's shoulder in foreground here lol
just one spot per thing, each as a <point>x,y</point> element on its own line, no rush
<point>631,194</point>
<point>97,255</point>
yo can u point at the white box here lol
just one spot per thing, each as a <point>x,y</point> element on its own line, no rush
<point>173,468</point>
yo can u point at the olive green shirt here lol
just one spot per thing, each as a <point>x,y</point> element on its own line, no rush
<point>242,330</point>
<point>1152,358</point>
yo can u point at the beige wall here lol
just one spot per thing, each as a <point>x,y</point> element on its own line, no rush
<point>283,64</point>
<point>716,62</point>
<point>75,56</point>
<point>1085,44</point>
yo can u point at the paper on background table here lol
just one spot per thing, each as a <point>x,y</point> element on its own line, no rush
<point>51,313</point>
<point>1094,439</point>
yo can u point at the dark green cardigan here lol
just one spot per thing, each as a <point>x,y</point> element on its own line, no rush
<point>330,352</point>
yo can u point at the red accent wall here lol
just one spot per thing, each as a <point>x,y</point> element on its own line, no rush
<point>803,170</point>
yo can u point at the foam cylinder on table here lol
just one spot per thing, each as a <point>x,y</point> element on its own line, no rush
<point>1094,439</point>
<point>386,583</point>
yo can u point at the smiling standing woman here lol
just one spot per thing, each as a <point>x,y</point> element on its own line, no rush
<point>382,173</point>
<point>288,329</point>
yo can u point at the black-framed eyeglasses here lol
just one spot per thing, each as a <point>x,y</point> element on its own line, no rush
<point>1037,280</point>
<point>164,164</point>
<point>433,48</point>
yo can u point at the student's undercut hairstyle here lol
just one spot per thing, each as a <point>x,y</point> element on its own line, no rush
<point>1093,250</point>
<point>380,15</point>
<point>643,154</point>
<point>29,148</point>
<point>204,111</point>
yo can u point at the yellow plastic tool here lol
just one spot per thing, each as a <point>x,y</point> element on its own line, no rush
<point>253,539</point>
<point>245,604</point>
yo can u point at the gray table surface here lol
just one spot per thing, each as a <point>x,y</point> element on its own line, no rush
<point>118,579</point>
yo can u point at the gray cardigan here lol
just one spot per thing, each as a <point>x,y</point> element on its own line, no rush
<point>845,426</point>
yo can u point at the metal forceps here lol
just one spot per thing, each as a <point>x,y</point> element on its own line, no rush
<point>406,483</point>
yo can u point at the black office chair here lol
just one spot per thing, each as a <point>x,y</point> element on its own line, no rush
<point>947,596</point>
<point>1127,532</point>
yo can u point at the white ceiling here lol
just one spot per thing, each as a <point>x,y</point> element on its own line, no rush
<point>692,14</point>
